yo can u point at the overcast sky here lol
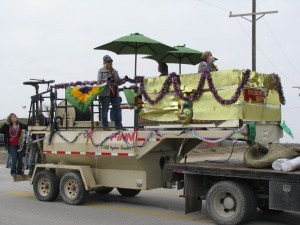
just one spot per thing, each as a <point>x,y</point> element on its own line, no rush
<point>54,40</point>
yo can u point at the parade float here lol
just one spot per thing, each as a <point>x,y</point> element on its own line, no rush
<point>175,113</point>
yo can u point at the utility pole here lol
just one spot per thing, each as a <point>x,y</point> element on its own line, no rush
<point>253,14</point>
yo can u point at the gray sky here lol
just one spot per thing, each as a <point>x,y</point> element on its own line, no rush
<point>54,40</point>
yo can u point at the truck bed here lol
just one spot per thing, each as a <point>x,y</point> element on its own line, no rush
<point>232,168</point>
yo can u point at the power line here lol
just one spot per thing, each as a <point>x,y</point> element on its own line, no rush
<point>263,52</point>
<point>243,28</point>
<point>275,66</point>
<point>288,59</point>
<point>214,5</point>
<point>251,39</point>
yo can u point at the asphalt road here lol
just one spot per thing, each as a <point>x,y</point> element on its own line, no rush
<point>18,206</point>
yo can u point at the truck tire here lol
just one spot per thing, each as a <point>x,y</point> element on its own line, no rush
<point>228,202</point>
<point>104,191</point>
<point>253,200</point>
<point>46,186</point>
<point>128,192</point>
<point>72,189</point>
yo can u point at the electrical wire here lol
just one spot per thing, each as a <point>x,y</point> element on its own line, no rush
<point>287,58</point>
<point>281,73</point>
<point>218,161</point>
<point>214,5</point>
<point>262,52</point>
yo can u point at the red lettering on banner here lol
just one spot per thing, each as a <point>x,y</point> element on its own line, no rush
<point>128,136</point>
<point>112,137</point>
<point>254,95</point>
<point>119,137</point>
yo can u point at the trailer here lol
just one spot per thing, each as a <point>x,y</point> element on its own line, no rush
<point>174,114</point>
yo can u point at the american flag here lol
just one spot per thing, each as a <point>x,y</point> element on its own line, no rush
<point>24,107</point>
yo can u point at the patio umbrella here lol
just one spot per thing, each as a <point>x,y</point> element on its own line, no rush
<point>135,44</point>
<point>182,55</point>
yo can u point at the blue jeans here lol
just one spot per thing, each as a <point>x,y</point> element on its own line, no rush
<point>115,101</point>
<point>16,160</point>
<point>35,156</point>
<point>112,115</point>
<point>8,159</point>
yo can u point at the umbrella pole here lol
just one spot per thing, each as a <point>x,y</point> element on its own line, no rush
<point>179,65</point>
<point>136,116</point>
<point>135,62</point>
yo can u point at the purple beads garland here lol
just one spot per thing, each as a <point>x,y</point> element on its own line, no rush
<point>175,80</point>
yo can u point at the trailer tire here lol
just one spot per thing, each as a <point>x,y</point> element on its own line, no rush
<point>227,202</point>
<point>46,186</point>
<point>72,189</point>
<point>104,191</point>
<point>128,192</point>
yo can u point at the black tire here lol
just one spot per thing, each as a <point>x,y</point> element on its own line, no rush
<point>46,186</point>
<point>227,202</point>
<point>72,189</point>
<point>128,192</point>
<point>253,200</point>
<point>104,191</point>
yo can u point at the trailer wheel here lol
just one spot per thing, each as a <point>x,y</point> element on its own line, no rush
<point>104,191</point>
<point>227,202</point>
<point>72,189</point>
<point>46,186</point>
<point>128,192</point>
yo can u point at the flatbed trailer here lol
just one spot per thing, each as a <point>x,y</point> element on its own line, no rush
<point>233,191</point>
<point>176,114</point>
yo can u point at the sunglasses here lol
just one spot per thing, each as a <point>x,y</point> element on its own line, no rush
<point>109,61</point>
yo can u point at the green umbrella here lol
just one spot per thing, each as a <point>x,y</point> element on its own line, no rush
<point>135,44</point>
<point>182,55</point>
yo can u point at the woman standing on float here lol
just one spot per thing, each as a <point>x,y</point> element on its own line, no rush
<point>207,63</point>
<point>110,94</point>
<point>12,131</point>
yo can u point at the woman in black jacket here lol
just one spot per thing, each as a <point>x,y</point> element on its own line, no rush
<point>12,131</point>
